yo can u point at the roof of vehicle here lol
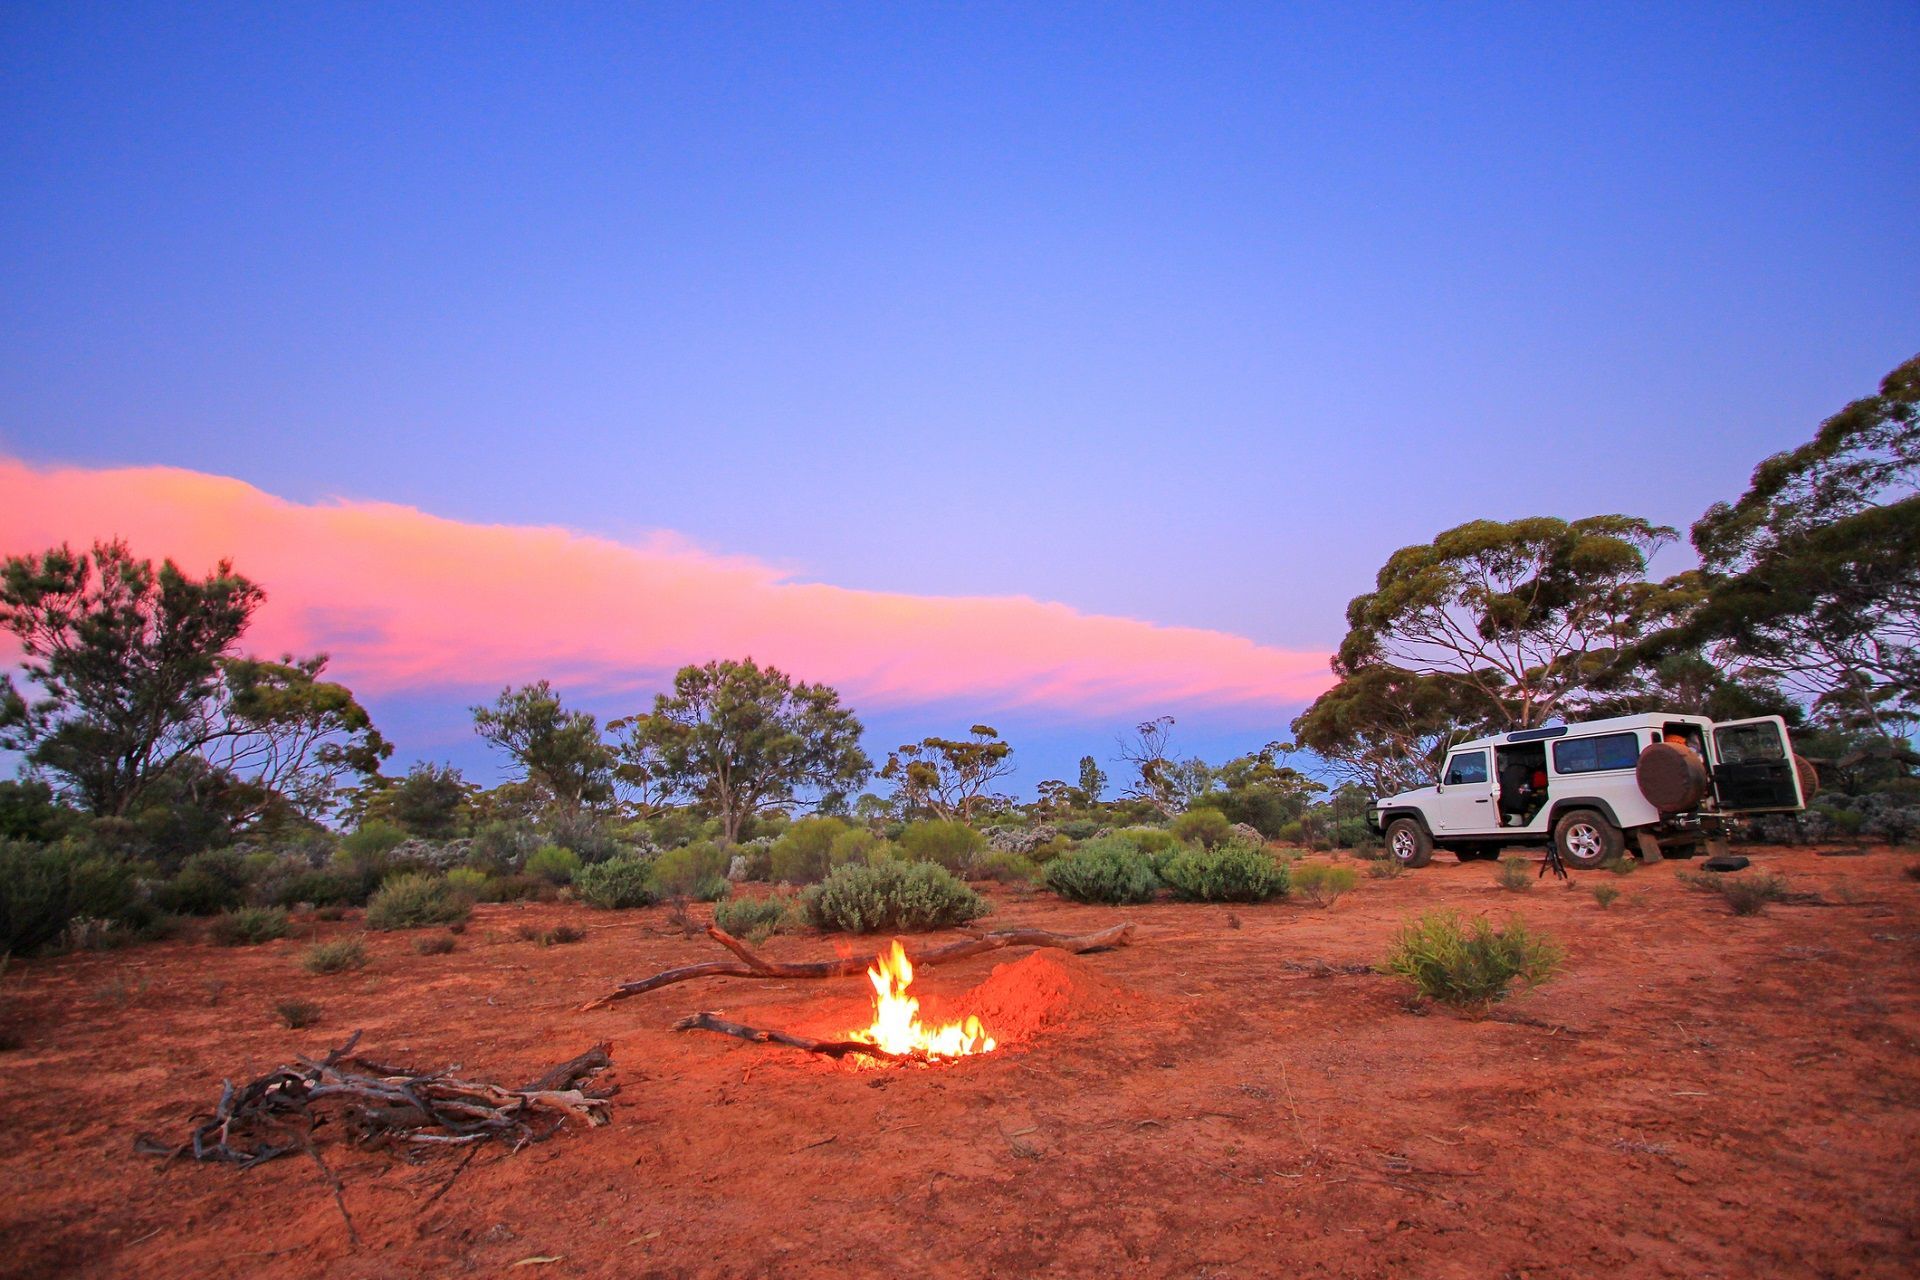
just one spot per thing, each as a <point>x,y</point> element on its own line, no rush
<point>1585,728</point>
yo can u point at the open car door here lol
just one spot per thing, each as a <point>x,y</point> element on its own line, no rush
<point>1753,769</point>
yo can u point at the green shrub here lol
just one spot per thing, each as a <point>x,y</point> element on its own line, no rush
<point>1292,833</point>
<point>1469,966</point>
<point>413,900</point>
<point>554,864</point>
<point>691,870</point>
<point>1386,869</point>
<point>372,840</point>
<point>337,956</point>
<point>1150,839</point>
<point>468,882</point>
<point>296,1014</point>
<point>502,847</point>
<point>1748,895</point>
<point>207,883</point>
<point>1324,882</point>
<point>1003,867</point>
<point>1049,850</point>
<point>322,887</point>
<point>436,944</point>
<point>1620,866</point>
<point>897,897</point>
<point>755,919</point>
<point>616,884</point>
<point>944,843</point>
<point>43,887</point>
<point>1515,873</point>
<point>1108,870</point>
<point>250,926</point>
<point>1079,829</point>
<point>803,854</point>
<point>1208,828</point>
<point>861,845</point>
<point>1604,894</point>
<point>1231,872</point>
<point>516,888</point>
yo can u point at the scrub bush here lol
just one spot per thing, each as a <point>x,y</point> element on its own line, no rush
<point>1109,870</point>
<point>897,897</point>
<point>616,884</point>
<point>692,871</point>
<point>1515,873</point>
<point>1003,868</point>
<point>337,956</point>
<point>1208,828</point>
<point>414,900</point>
<point>43,887</point>
<point>436,944</point>
<point>948,844</point>
<point>372,840</point>
<point>1469,966</point>
<point>1748,895</point>
<point>1232,872</point>
<point>468,882</point>
<point>755,919</point>
<point>295,1014</point>
<point>803,853</point>
<point>1324,882</point>
<point>250,926</point>
<point>1604,894</point>
<point>554,864</point>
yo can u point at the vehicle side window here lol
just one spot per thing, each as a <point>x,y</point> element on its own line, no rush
<point>1468,766</point>
<point>1749,743</point>
<point>1592,755</point>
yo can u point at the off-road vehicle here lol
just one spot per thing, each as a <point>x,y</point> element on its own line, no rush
<point>1668,783</point>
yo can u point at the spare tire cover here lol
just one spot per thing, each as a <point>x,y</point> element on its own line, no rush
<point>1672,778</point>
<point>1809,778</point>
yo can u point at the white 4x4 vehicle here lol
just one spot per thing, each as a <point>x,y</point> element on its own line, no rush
<point>1668,781</point>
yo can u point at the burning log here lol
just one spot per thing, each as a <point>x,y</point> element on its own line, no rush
<point>762,1035</point>
<point>752,964</point>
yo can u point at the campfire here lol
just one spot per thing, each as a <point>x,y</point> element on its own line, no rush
<point>896,1026</point>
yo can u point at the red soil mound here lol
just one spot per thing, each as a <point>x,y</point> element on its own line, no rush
<point>1043,989</point>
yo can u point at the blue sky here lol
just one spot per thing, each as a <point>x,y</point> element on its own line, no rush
<point>1189,314</point>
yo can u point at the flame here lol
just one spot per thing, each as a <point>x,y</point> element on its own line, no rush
<point>896,1016</point>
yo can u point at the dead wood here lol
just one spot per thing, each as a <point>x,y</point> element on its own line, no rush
<point>752,964</point>
<point>762,1035</point>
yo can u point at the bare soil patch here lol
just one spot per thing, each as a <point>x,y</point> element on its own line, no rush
<point>1697,1094</point>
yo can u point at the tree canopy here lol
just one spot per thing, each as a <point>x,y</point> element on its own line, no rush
<point>560,750</point>
<point>949,776</point>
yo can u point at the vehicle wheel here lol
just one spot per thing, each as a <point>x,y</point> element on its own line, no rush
<point>1408,843</point>
<point>1587,840</point>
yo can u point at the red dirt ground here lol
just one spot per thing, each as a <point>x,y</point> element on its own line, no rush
<point>1696,1095</point>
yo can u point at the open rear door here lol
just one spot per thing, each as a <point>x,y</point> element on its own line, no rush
<point>1753,769</point>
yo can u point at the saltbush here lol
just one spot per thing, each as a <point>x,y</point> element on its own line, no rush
<point>1748,895</point>
<point>897,897</point>
<point>1324,882</point>
<point>415,899</point>
<point>803,853</point>
<point>1232,872</point>
<point>1003,867</point>
<point>553,863</point>
<point>755,919</point>
<point>1109,870</point>
<point>1469,965</point>
<point>1208,828</point>
<point>616,884</point>
<point>1515,873</point>
<point>250,926</point>
<point>946,843</point>
<point>42,887</point>
<point>337,956</point>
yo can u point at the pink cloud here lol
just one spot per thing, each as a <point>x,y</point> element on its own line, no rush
<point>406,600</point>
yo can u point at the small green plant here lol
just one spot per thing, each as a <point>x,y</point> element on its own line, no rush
<point>295,1014</point>
<point>413,900</point>
<point>616,884</point>
<point>337,956</point>
<point>755,919</point>
<point>1469,966</point>
<point>1620,866</point>
<point>1748,895</point>
<point>554,864</point>
<point>1515,873</point>
<point>1208,828</point>
<point>436,944</point>
<point>250,926</point>
<point>897,897</point>
<point>1231,872</point>
<point>1386,869</point>
<point>559,936</point>
<point>1108,870</point>
<point>1324,882</point>
<point>691,870</point>
<point>1604,895</point>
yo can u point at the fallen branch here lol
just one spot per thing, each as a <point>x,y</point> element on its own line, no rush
<point>761,1035</point>
<point>752,964</point>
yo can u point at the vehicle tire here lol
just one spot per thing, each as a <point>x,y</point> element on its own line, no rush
<point>1408,843</point>
<point>1673,778</point>
<point>1809,778</point>
<point>1587,840</point>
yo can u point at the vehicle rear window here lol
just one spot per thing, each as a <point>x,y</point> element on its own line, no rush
<point>1468,766</point>
<point>1750,743</point>
<point>1591,755</point>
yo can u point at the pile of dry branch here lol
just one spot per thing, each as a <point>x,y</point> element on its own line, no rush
<point>397,1108</point>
